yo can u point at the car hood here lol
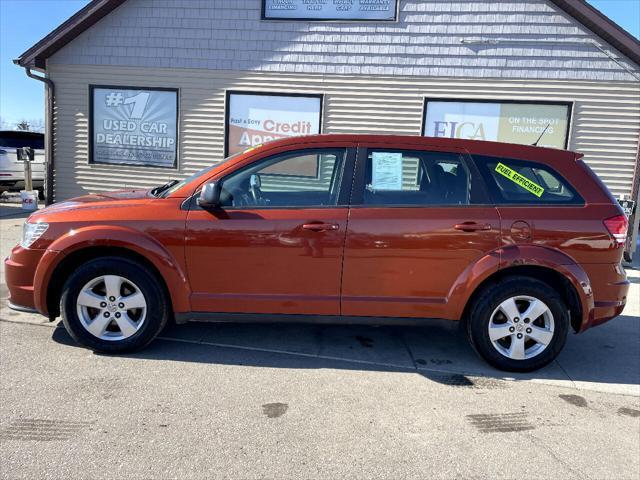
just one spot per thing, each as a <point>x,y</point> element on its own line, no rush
<point>119,198</point>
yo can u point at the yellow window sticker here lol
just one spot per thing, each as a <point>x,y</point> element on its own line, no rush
<point>521,180</point>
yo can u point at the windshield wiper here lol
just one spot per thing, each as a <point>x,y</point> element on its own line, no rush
<point>158,190</point>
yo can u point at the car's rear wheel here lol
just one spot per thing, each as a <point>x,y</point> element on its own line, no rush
<point>519,324</point>
<point>113,304</point>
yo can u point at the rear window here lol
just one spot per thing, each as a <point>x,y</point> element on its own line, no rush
<point>513,181</point>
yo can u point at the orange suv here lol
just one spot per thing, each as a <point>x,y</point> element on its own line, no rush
<point>520,243</point>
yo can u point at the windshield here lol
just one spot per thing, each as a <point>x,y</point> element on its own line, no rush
<point>177,186</point>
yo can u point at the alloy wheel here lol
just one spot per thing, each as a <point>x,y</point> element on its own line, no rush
<point>111,307</point>
<point>521,327</point>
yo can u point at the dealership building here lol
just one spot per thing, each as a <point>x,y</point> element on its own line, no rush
<point>142,91</point>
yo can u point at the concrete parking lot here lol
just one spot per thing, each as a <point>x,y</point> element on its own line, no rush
<point>311,401</point>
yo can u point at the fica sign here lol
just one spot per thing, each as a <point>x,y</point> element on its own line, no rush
<point>371,10</point>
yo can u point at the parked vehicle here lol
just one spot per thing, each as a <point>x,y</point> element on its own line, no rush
<point>12,169</point>
<point>521,243</point>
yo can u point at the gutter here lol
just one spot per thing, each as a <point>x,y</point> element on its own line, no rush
<point>48,121</point>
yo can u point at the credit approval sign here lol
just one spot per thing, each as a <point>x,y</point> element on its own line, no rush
<point>254,118</point>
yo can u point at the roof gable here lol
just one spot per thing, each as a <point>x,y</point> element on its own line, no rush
<point>594,20</point>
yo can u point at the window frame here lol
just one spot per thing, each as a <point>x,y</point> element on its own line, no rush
<point>344,186</point>
<point>359,182</point>
<point>482,161</point>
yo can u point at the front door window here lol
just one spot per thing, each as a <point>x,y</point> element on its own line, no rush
<point>310,178</point>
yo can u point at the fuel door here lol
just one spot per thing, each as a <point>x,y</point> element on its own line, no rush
<point>521,232</point>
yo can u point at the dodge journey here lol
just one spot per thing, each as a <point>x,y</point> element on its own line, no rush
<point>522,244</point>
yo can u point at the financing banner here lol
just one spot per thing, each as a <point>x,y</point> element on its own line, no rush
<point>134,126</point>
<point>256,119</point>
<point>330,9</point>
<point>521,123</point>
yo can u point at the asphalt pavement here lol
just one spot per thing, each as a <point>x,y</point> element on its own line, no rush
<point>313,401</point>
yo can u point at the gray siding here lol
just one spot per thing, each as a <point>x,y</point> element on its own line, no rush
<point>535,41</point>
<point>604,127</point>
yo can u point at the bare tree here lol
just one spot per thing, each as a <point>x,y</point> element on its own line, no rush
<point>32,125</point>
<point>23,126</point>
<point>36,125</point>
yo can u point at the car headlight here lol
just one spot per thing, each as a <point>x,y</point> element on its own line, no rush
<point>32,232</point>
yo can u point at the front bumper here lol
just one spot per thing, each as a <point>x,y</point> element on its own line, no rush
<point>19,272</point>
<point>21,308</point>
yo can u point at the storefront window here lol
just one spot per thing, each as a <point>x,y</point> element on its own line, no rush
<point>256,118</point>
<point>134,126</point>
<point>524,123</point>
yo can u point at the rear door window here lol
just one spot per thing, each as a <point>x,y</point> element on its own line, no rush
<point>513,181</point>
<point>415,178</point>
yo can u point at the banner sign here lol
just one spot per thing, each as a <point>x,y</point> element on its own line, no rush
<point>521,123</point>
<point>134,126</point>
<point>384,10</point>
<point>253,119</point>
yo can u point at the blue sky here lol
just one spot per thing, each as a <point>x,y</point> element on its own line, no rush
<point>24,22</point>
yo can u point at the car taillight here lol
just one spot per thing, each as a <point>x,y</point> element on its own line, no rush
<point>617,227</point>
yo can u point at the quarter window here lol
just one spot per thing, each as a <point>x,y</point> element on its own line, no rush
<point>394,177</point>
<point>523,182</point>
<point>300,179</point>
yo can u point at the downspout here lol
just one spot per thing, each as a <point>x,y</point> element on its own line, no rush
<point>48,122</point>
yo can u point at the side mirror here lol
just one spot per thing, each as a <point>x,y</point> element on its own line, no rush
<point>209,196</point>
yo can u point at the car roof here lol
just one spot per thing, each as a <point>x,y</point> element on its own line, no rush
<point>477,147</point>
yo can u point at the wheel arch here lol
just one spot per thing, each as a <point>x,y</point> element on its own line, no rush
<point>558,280</point>
<point>84,245</point>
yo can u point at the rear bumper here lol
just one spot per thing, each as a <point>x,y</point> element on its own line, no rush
<point>19,272</point>
<point>610,289</point>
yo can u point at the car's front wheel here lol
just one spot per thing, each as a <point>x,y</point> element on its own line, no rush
<point>519,324</point>
<point>113,305</point>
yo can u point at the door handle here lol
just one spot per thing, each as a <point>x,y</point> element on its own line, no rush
<point>320,227</point>
<point>472,226</point>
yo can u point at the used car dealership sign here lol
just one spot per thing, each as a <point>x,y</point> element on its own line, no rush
<point>134,126</point>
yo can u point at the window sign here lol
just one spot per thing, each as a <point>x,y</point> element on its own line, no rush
<point>134,126</point>
<point>330,9</point>
<point>386,172</point>
<point>509,122</point>
<point>253,119</point>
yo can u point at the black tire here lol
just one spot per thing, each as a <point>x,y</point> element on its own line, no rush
<point>158,309</point>
<point>491,297</point>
